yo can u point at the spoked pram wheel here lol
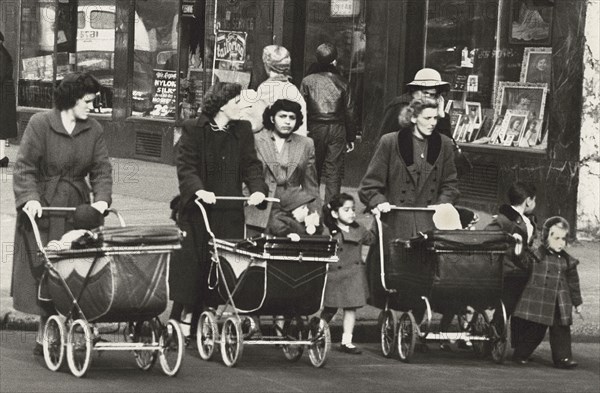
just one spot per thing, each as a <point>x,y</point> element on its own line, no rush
<point>389,321</point>
<point>293,328</point>
<point>320,336</point>
<point>232,341</point>
<point>407,336</point>
<point>146,332</point>
<point>54,342</point>
<point>172,344</point>
<point>498,335</point>
<point>480,326</point>
<point>207,335</point>
<point>79,347</point>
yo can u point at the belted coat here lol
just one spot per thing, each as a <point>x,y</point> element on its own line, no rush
<point>57,169</point>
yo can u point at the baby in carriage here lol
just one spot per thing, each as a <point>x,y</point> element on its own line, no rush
<point>292,218</point>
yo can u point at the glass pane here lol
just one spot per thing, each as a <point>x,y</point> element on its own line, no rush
<point>37,46</point>
<point>80,20</point>
<point>343,24</point>
<point>155,58</point>
<point>102,20</point>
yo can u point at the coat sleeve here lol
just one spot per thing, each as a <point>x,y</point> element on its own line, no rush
<point>101,172</point>
<point>350,119</point>
<point>250,166</point>
<point>573,282</point>
<point>189,160</point>
<point>390,119</point>
<point>27,165</point>
<point>449,182</point>
<point>374,184</point>
<point>302,130</point>
<point>310,184</point>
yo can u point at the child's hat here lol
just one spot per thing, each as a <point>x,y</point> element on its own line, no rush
<point>86,217</point>
<point>294,198</point>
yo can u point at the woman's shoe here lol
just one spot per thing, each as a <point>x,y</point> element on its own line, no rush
<point>566,363</point>
<point>351,349</point>
<point>4,162</point>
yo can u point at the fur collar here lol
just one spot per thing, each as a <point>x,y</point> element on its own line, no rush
<point>405,144</point>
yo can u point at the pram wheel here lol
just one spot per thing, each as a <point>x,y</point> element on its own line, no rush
<point>407,336</point>
<point>320,336</point>
<point>172,344</point>
<point>207,335</point>
<point>145,332</point>
<point>232,343</point>
<point>499,336</point>
<point>79,347</point>
<point>54,342</point>
<point>480,326</point>
<point>292,329</point>
<point>389,321</point>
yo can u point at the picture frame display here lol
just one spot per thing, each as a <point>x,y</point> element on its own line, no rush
<point>521,96</point>
<point>537,65</point>
<point>513,127</point>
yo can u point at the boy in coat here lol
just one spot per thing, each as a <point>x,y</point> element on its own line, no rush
<point>292,215</point>
<point>548,298</point>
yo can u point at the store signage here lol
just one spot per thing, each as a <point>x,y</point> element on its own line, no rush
<point>187,8</point>
<point>344,8</point>
<point>231,46</point>
<point>165,91</point>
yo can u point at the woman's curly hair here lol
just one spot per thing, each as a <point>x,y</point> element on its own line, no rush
<point>73,87</point>
<point>218,95</point>
<point>414,109</point>
<point>282,105</point>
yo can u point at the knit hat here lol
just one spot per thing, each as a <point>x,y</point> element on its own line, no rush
<point>277,59</point>
<point>326,53</point>
<point>86,217</point>
<point>294,198</point>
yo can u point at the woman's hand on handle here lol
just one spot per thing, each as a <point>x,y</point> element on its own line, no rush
<point>206,196</point>
<point>256,198</point>
<point>101,206</point>
<point>384,207</point>
<point>33,208</point>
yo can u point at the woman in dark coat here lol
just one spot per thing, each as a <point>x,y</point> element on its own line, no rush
<point>8,105</point>
<point>62,153</point>
<point>216,155</point>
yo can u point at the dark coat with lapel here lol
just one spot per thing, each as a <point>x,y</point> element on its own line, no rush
<point>52,167</point>
<point>8,102</point>
<point>297,171</point>
<point>554,281</point>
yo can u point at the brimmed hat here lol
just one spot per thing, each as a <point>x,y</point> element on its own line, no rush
<point>86,217</point>
<point>294,198</point>
<point>428,77</point>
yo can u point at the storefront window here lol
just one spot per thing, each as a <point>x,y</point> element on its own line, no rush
<point>496,56</point>
<point>155,58</point>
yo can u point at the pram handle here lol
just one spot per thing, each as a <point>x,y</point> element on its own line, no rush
<point>72,209</point>
<point>242,198</point>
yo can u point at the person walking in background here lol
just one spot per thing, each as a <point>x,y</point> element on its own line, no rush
<point>549,298</point>
<point>346,285</point>
<point>277,62</point>
<point>331,117</point>
<point>60,149</point>
<point>8,104</point>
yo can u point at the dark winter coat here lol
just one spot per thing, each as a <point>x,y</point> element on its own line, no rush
<point>554,281</point>
<point>346,285</point>
<point>283,223</point>
<point>8,101</point>
<point>217,161</point>
<point>51,167</point>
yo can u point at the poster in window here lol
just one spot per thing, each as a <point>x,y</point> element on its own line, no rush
<point>530,22</point>
<point>164,93</point>
<point>230,46</point>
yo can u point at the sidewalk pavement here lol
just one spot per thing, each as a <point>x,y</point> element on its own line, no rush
<point>142,192</point>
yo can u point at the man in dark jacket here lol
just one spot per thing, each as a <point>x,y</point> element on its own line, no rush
<point>331,119</point>
<point>8,105</point>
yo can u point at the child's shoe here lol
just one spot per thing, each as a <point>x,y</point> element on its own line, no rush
<point>350,348</point>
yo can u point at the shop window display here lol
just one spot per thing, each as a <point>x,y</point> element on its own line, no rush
<point>495,55</point>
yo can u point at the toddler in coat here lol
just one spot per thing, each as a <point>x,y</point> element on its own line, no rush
<point>548,298</point>
<point>346,285</point>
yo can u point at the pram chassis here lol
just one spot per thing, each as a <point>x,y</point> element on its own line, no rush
<point>75,337</point>
<point>239,330</point>
<point>399,335</point>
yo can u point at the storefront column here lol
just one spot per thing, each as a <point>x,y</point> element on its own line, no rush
<point>588,201</point>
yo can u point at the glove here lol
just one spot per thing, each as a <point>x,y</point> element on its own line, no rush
<point>384,207</point>
<point>33,208</point>
<point>101,206</point>
<point>206,197</point>
<point>256,198</point>
<point>349,147</point>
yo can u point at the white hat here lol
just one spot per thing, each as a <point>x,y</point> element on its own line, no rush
<point>428,77</point>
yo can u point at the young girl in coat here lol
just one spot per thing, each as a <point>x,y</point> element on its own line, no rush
<point>548,298</point>
<point>346,285</point>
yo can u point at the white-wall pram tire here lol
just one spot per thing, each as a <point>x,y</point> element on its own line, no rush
<point>407,336</point>
<point>54,342</point>
<point>146,332</point>
<point>207,335</point>
<point>320,336</point>
<point>79,347</point>
<point>388,329</point>
<point>232,341</point>
<point>293,329</point>
<point>172,345</point>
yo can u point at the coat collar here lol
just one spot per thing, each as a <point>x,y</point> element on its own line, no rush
<point>510,213</point>
<point>354,235</point>
<point>57,125</point>
<point>405,145</point>
<point>204,121</point>
<point>266,147</point>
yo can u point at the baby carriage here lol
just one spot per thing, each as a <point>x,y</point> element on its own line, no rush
<point>111,274</point>
<point>267,276</point>
<point>442,271</point>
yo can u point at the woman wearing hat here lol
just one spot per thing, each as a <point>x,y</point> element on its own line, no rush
<point>427,83</point>
<point>331,118</point>
<point>61,149</point>
<point>277,62</point>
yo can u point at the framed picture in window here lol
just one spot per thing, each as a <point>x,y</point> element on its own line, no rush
<point>473,110</point>
<point>530,22</point>
<point>513,126</point>
<point>536,66</point>
<point>521,96</point>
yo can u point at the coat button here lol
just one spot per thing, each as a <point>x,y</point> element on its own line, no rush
<point>429,201</point>
<point>401,200</point>
<point>404,191</point>
<point>339,267</point>
<point>340,249</point>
